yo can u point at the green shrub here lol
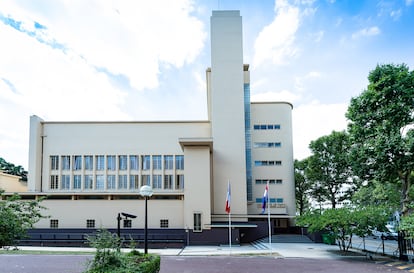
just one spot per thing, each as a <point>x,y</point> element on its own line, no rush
<point>109,258</point>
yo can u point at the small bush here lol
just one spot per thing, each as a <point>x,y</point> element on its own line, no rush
<point>109,258</point>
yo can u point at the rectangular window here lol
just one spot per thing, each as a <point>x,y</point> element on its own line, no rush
<point>168,162</point>
<point>271,181</point>
<point>111,163</point>
<point>77,182</point>
<point>179,162</point>
<point>157,181</point>
<point>90,223</point>
<point>65,162</point>
<point>123,161</point>
<point>279,200</point>
<point>65,182</point>
<point>156,162</point>
<point>100,162</point>
<point>88,182</point>
<point>100,182</point>
<point>258,163</point>
<point>77,162</point>
<point>54,223</point>
<point>54,182</point>
<point>267,145</point>
<point>88,162</point>
<point>197,222</point>
<point>179,182</point>
<point>110,182</point>
<point>146,180</point>
<point>164,223</point>
<point>168,182</point>
<point>133,182</point>
<point>123,182</point>
<point>54,162</point>
<point>146,162</point>
<point>133,162</point>
<point>127,223</point>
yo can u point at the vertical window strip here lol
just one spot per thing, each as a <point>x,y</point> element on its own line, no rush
<point>77,162</point>
<point>111,163</point>
<point>133,162</point>
<point>123,161</point>
<point>88,162</point>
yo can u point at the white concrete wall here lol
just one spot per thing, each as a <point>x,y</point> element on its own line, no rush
<point>197,193</point>
<point>227,110</point>
<point>74,213</point>
<point>274,113</point>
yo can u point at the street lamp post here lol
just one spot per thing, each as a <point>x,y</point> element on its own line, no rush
<point>146,191</point>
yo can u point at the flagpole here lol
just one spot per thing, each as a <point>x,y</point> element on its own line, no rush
<point>268,218</point>
<point>228,210</point>
<point>230,231</point>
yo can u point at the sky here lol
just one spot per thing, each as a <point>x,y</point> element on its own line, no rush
<point>121,60</point>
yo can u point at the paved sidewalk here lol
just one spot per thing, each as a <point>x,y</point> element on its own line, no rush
<point>291,250</point>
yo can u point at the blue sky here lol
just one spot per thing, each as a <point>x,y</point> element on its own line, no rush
<point>146,60</point>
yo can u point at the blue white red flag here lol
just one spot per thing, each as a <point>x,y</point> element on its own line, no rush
<point>228,198</point>
<point>265,197</point>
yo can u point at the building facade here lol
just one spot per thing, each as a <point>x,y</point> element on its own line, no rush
<point>91,171</point>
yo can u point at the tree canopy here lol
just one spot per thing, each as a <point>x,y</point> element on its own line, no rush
<point>328,168</point>
<point>381,131</point>
<point>10,168</point>
<point>16,216</point>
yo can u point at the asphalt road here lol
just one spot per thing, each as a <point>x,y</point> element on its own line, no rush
<point>198,264</point>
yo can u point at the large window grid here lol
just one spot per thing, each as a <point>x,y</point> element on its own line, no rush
<point>266,127</point>
<point>116,172</point>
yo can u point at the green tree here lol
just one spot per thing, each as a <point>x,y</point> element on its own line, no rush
<point>380,125</point>
<point>343,223</point>
<point>302,186</point>
<point>328,167</point>
<point>10,168</point>
<point>16,217</point>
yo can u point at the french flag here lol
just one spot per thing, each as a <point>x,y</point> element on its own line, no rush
<point>265,197</point>
<point>228,198</point>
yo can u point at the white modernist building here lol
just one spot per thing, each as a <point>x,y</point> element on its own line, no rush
<point>91,171</point>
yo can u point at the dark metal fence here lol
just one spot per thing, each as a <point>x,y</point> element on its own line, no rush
<point>406,247</point>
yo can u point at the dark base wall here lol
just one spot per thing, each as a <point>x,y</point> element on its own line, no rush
<point>157,238</point>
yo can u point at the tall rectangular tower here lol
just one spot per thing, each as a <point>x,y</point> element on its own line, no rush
<point>226,111</point>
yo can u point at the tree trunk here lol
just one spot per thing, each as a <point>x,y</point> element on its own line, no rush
<point>405,189</point>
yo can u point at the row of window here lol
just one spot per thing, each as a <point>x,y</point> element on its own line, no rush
<point>113,162</point>
<point>271,181</point>
<point>267,144</point>
<point>267,163</point>
<point>116,182</point>
<point>266,127</point>
<point>90,223</point>
<point>271,200</point>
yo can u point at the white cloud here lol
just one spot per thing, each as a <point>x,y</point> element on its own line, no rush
<point>409,2</point>
<point>276,41</point>
<point>120,36</point>
<point>311,121</point>
<point>370,31</point>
